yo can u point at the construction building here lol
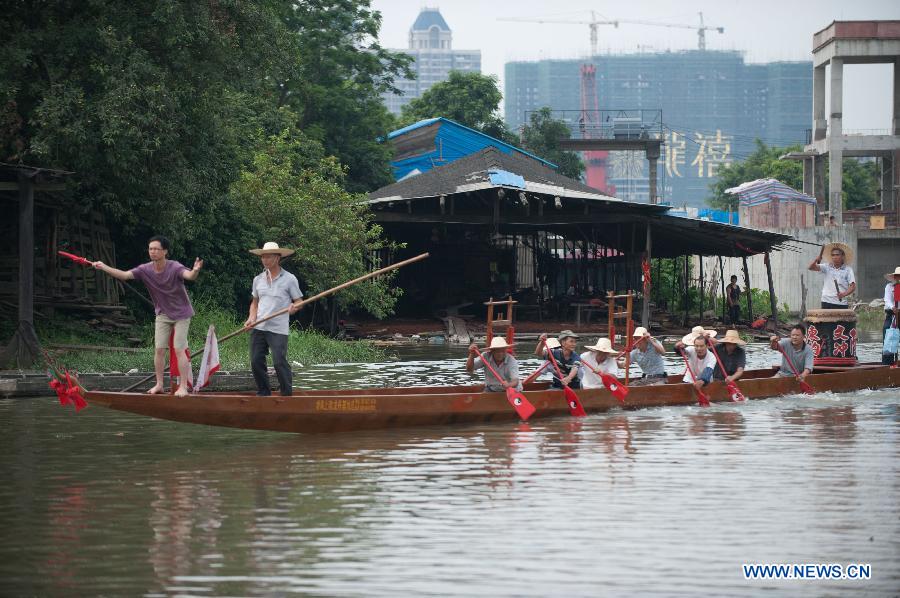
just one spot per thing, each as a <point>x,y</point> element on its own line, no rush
<point>431,47</point>
<point>714,105</point>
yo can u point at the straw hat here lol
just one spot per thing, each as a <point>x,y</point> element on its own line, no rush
<point>848,253</point>
<point>890,275</point>
<point>697,331</point>
<point>732,336</point>
<point>272,247</point>
<point>566,334</point>
<point>640,332</point>
<point>498,342</point>
<point>603,346</point>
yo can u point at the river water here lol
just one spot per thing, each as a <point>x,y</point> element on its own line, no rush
<point>668,501</point>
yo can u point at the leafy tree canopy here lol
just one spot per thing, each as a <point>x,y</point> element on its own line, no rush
<point>471,99</point>
<point>541,137</point>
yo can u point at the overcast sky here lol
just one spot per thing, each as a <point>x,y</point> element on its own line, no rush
<point>764,30</point>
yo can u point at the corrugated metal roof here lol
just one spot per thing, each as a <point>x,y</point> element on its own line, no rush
<point>762,191</point>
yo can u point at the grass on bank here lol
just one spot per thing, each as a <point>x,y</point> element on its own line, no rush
<point>306,347</point>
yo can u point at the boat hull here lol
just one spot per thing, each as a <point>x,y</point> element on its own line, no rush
<point>329,411</point>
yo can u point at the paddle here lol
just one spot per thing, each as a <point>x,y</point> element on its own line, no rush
<point>575,406</point>
<point>803,384</point>
<point>536,373</point>
<point>316,297</point>
<point>702,397</point>
<point>612,384</point>
<point>733,390</point>
<point>86,262</point>
<point>515,397</point>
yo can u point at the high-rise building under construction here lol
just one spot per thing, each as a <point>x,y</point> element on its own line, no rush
<point>714,105</point>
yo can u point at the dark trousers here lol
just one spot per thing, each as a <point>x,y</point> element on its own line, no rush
<point>826,305</point>
<point>734,313</point>
<point>261,341</point>
<point>887,358</point>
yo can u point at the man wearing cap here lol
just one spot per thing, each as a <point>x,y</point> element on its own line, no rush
<point>730,351</point>
<point>598,358</point>
<point>274,289</point>
<point>839,279</point>
<point>566,358</point>
<point>505,365</point>
<point>164,279</point>
<point>695,346</point>
<point>891,309</point>
<point>647,354</point>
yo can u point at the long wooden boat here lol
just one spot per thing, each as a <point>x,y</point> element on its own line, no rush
<point>324,411</point>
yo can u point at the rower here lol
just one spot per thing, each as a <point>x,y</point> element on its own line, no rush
<point>701,360</point>
<point>840,281</point>
<point>567,359</point>
<point>599,358</point>
<point>647,354</point>
<point>891,310</point>
<point>799,352</point>
<point>503,363</point>
<point>732,355</point>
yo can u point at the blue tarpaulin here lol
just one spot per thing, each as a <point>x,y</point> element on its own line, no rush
<point>506,178</point>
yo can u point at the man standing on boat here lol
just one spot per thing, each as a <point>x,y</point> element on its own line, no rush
<point>700,359</point>
<point>730,351</point>
<point>566,357</point>
<point>647,354</point>
<point>274,289</point>
<point>840,282</point>
<point>506,366</point>
<point>733,297</point>
<point>164,279</point>
<point>891,310</point>
<point>797,350</point>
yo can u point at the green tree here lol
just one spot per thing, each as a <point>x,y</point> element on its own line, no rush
<point>294,195</point>
<point>335,81</point>
<point>541,136</point>
<point>860,182</point>
<point>471,99</point>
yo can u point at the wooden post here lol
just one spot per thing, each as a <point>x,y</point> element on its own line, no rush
<point>24,348</point>
<point>611,326</point>
<point>629,306</point>
<point>773,303</point>
<point>645,307</point>
<point>724,295</point>
<point>687,286</point>
<point>747,290</point>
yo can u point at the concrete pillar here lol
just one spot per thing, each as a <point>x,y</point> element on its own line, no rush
<point>888,197</point>
<point>808,170</point>
<point>819,186</point>
<point>819,123</point>
<point>896,114</point>
<point>654,197</point>
<point>835,139</point>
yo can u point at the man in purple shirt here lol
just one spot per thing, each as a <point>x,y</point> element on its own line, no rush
<point>164,280</point>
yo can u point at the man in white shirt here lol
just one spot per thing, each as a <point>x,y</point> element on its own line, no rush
<point>702,361</point>
<point>891,309</point>
<point>839,279</point>
<point>599,358</point>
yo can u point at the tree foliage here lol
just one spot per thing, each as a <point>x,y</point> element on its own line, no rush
<point>541,137</point>
<point>471,99</point>
<point>293,193</point>
<point>860,181</point>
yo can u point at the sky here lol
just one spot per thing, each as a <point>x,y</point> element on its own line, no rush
<point>764,30</point>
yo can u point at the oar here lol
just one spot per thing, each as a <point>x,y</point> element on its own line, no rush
<point>536,373</point>
<point>702,397</point>
<point>86,262</point>
<point>733,390</point>
<point>515,397</point>
<point>575,406</point>
<point>316,297</point>
<point>804,386</point>
<point>612,384</point>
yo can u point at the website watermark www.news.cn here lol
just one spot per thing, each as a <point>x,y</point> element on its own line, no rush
<point>853,571</point>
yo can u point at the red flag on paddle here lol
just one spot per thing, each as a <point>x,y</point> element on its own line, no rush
<point>174,371</point>
<point>75,258</point>
<point>209,364</point>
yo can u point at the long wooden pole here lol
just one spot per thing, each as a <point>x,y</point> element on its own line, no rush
<point>315,297</point>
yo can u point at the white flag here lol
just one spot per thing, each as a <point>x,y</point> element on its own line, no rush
<point>209,365</point>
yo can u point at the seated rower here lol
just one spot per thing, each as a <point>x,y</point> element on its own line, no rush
<point>647,354</point>
<point>795,349</point>
<point>702,361</point>
<point>732,355</point>
<point>599,358</point>
<point>566,358</point>
<point>505,365</point>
